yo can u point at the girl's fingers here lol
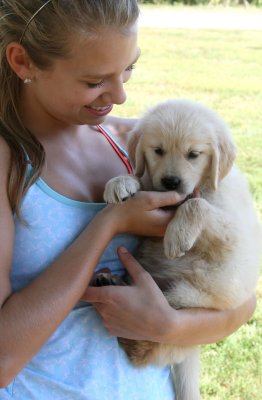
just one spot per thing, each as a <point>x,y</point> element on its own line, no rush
<point>131,264</point>
<point>161,199</point>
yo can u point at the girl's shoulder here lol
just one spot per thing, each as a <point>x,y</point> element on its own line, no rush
<point>121,128</point>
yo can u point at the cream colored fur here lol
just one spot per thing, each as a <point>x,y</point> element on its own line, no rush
<point>211,250</point>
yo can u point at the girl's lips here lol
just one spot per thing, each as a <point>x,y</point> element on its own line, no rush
<point>100,111</point>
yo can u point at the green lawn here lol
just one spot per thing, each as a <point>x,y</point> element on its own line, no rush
<point>222,69</point>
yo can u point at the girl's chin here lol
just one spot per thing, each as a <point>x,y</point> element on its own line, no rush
<point>87,119</point>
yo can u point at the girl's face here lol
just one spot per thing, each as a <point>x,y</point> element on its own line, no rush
<point>82,88</point>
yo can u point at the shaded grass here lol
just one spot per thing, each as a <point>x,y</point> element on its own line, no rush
<point>223,70</point>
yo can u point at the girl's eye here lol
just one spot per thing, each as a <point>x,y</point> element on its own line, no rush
<point>131,67</point>
<point>193,154</point>
<point>101,83</point>
<point>95,85</point>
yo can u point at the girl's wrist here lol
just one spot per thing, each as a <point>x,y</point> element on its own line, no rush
<point>116,218</point>
<point>167,331</point>
<point>179,327</point>
<point>110,218</point>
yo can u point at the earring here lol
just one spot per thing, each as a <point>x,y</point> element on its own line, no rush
<point>27,81</point>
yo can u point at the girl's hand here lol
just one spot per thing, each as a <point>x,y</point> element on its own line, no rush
<point>136,312</point>
<point>141,312</point>
<point>142,213</point>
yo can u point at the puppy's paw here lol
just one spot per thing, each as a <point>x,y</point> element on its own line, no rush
<point>120,188</point>
<point>184,229</point>
<point>107,279</point>
<point>177,241</point>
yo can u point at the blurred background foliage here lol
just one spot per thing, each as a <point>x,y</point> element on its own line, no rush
<point>246,3</point>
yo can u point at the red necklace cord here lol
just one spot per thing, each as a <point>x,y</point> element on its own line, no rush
<point>118,151</point>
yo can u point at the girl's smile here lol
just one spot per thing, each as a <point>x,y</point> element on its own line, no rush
<point>100,111</point>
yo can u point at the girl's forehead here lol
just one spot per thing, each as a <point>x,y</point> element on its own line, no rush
<point>109,36</point>
<point>104,52</point>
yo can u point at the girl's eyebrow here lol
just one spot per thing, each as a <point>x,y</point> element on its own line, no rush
<point>97,76</point>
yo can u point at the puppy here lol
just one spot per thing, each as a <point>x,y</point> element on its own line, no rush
<point>210,254</point>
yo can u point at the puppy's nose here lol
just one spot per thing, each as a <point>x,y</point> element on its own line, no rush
<point>171,182</point>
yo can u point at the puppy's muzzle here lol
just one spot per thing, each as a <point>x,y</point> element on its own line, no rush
<point>171,182</point>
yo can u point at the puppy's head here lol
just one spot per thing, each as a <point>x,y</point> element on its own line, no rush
<point>182,145</point>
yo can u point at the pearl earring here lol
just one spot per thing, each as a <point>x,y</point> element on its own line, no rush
<point>27,81</point>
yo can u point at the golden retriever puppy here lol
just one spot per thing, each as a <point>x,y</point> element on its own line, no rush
<point>211,249</point>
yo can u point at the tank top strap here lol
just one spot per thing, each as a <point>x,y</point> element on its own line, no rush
<point>122,154</point>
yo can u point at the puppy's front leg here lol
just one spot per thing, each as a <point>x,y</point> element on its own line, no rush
<point>186,226</point>
<point>120,188</point>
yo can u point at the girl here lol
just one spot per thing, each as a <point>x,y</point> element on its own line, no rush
<point>63,67</point>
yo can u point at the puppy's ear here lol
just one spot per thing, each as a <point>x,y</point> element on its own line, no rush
<point>214,166</point>
<point>224,152</point>
<point>227,154</point>
<point>135,152</point>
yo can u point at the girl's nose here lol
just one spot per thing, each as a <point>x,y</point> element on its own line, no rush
<point>115,93</point>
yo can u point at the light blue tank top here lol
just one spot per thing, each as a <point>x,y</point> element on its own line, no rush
<point>80,361</point>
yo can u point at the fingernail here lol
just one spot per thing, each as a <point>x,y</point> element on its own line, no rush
<point>122,250</point>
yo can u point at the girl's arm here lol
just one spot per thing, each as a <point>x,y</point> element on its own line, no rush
<point>141,312</point>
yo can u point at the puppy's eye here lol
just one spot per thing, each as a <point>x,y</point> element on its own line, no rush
<point>193,154</point>
<point>159,151</point>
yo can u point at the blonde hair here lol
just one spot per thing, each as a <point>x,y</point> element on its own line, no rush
<point>43,28</point>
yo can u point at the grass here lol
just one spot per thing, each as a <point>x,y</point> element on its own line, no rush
<point>223,70</point>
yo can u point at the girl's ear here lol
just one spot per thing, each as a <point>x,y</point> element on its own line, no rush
<point>19,60</point>
<point>136,153</point>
